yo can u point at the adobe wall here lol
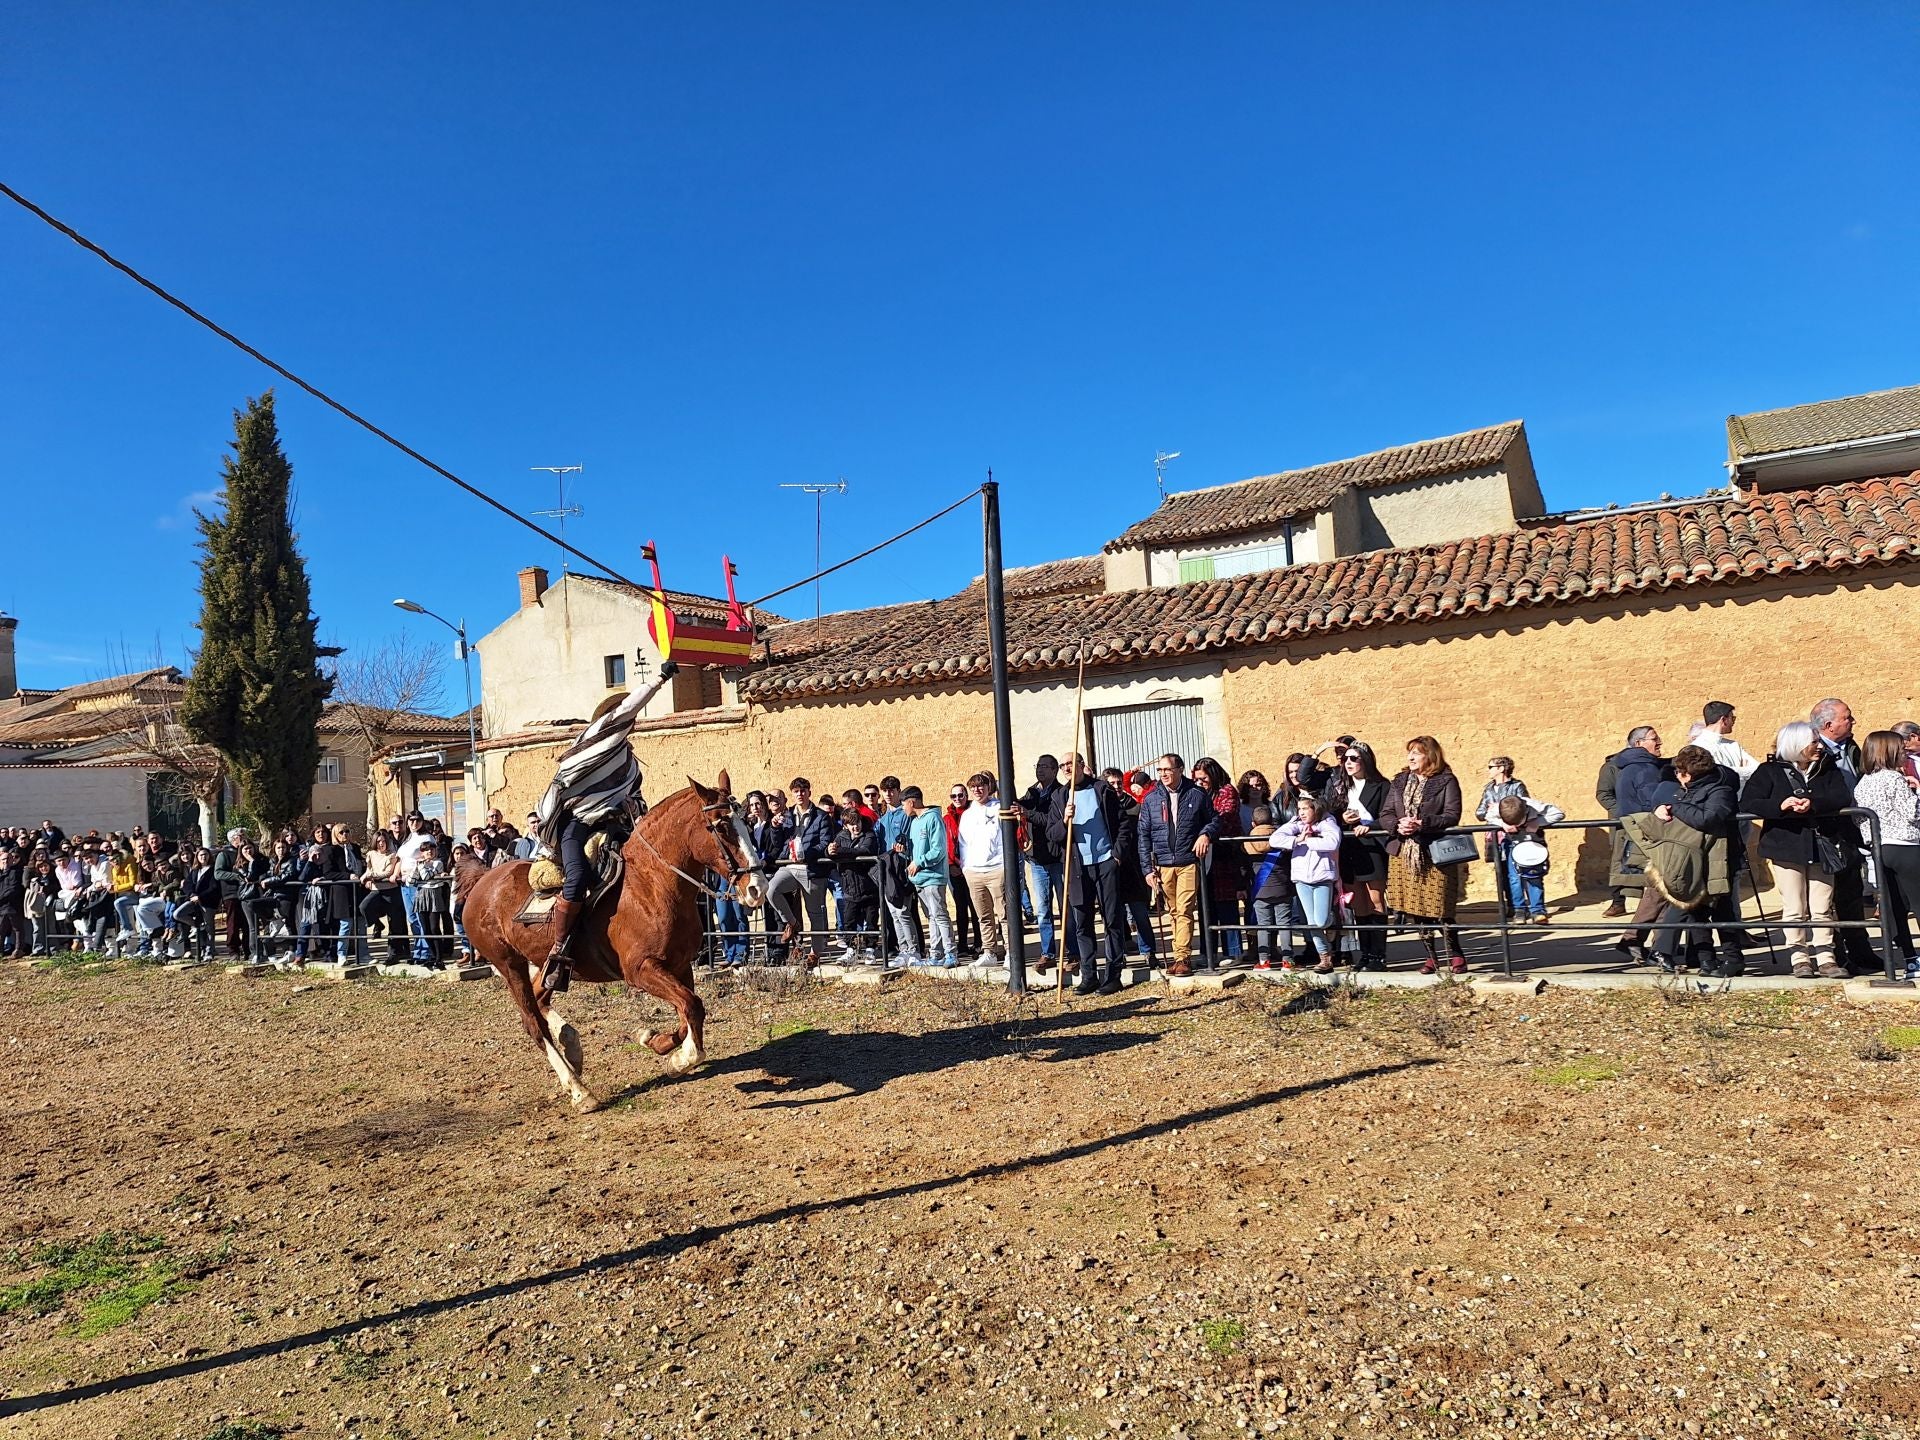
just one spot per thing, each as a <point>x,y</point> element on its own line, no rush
<point>1559,689</point>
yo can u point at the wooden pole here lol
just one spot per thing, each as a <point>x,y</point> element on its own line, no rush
<point>1011,879</point>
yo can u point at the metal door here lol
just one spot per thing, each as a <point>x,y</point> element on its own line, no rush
<point>1132,737</point>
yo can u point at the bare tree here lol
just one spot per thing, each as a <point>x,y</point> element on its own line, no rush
<point>151,731</point>
<point>376,690</point>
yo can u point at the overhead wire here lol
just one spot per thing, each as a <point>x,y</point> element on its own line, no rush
<point>405,449</point>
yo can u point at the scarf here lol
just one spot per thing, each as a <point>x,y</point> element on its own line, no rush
<point>1413,850</point>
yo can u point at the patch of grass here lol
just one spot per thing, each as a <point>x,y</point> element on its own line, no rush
<point>355,1363</point>
<point>1582,1074</point>
<point>1875,1047</point>
<point>246,1430</point>
<point>1901,1037</point>
<point>783,1029</point>
<point>114,1265</point>
<point>1221,1337</point>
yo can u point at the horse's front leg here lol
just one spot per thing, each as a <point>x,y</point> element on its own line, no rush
<point>683,1049</point>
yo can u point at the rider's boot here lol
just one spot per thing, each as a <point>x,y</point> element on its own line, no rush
<point>557,972</point>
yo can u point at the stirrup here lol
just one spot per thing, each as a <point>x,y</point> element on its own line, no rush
<point>556,974</point>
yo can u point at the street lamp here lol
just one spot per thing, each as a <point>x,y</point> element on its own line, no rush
<point>465,652</point>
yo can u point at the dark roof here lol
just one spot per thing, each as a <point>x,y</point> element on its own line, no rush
<point>60,716</point>
<point>1081,575</point>
<point>1266,501</point>
<point>708,609</point>
<point>1825,422</point>
<point>1711,541</point>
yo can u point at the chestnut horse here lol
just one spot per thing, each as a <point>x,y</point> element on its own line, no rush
<point>647,934</point>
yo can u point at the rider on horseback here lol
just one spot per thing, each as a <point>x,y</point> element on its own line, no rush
<point>596,786</point>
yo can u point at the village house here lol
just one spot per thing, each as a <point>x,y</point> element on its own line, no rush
<point>1470,615</point>
<point>109,755</point>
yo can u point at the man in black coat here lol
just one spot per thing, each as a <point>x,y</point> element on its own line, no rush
<point>1043,855</point>
<point>1832,721</point>
<point>1091,857</point>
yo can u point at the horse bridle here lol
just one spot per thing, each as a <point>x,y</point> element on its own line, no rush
<point>726,818</point>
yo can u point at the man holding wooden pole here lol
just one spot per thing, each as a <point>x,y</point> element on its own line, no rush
<point>1084,823</point>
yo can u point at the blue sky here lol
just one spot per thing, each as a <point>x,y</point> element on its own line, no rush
<point>706,250</point>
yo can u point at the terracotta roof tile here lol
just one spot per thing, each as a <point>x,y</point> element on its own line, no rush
<point>1824,422</point>
<point>1711,541</point>
<point>1266,501</point>
<point>1081,575</point>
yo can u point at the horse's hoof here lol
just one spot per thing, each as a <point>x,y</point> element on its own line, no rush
<point>587,1104</point>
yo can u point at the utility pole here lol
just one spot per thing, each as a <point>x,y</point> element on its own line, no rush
<point>561,509</point>
<point>1160,459</point>
<point>839,487</point>
<point>1011,878</point>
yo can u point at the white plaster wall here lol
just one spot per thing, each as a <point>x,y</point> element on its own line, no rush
<point>77,798</point>
<point>1163,566</point>
<point>1043,714</point>
<point>545,661</point>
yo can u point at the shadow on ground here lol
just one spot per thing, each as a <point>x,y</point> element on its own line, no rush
<point>668,1246</point>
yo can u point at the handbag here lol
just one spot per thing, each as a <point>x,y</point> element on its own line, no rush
<point>1831,854</point>
<point>1454,848</point>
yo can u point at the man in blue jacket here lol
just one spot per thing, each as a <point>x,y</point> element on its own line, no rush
<point>1177,828</point>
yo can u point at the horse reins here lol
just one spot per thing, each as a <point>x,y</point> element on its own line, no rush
<point>734,872</point>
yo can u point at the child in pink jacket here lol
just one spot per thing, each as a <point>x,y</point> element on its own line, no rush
<point>1312,840</point>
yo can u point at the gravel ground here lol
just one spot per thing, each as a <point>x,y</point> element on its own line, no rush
<point>925,1209</point>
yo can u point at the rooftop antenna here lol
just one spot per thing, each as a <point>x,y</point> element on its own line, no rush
<point>1160,459</point>
<point>561,509</point>
<point>839,487</point>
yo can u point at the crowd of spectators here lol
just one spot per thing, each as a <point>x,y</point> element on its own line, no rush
<point>1315,871</point>
<point>322,896</point>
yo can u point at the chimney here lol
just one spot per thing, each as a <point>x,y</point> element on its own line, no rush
<point>533,584</point>
<point>9,678</point>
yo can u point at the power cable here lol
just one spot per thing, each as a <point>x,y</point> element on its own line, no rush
<point>85,244</point>
<point>132,274</point>
<point>894,540</point>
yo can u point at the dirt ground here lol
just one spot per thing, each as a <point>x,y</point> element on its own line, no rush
<point>240,1208</point>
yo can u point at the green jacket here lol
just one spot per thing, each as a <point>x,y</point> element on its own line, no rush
<point>1686,866</point>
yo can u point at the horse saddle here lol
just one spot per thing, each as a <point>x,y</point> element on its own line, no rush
<point>546,877</point>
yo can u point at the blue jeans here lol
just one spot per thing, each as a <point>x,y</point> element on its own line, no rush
<point>1316,903</point>
<point>1043,884</point>
<point>410,898</point>
<point>1271,916</point>
<point>730,914</point>
<point>1524,896</point>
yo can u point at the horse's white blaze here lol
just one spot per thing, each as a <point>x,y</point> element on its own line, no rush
<point>685,1056</point>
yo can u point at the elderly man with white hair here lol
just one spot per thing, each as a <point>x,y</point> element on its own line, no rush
<point>1832,722</point>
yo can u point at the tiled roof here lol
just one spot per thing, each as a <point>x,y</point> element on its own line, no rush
<point>1825,422</point>
<point>164,679</point>
<point>414,724</point>
<point>839,628</point>
<point>705,609</point>
<point>1266,501</point>
<point>1711,541</point>
<point>1081,575</point>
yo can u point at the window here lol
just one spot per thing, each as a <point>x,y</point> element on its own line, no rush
<point>616,668</point>
<point>1225,563</point>
<point>329,771</point>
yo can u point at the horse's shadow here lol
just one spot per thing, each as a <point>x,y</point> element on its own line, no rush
<point>816,1066</point>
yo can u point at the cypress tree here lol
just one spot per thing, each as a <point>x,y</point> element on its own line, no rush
<point>256,691</point>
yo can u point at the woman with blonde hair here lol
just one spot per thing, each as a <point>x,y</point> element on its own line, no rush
<point>1423,802</point>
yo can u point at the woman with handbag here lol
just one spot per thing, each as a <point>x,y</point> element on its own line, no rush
<point>1798,795</point>
<point>1426,873</point>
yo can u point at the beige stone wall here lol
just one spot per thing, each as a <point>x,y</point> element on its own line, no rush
<point>1432,511</point>
<point>1560,689</point>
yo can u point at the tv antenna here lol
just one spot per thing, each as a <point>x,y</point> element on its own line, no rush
<point>1160,459</point>
<point>561,509</point>
<point>818,492</point>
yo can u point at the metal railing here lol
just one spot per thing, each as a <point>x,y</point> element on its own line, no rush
<point>1507,924</point>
